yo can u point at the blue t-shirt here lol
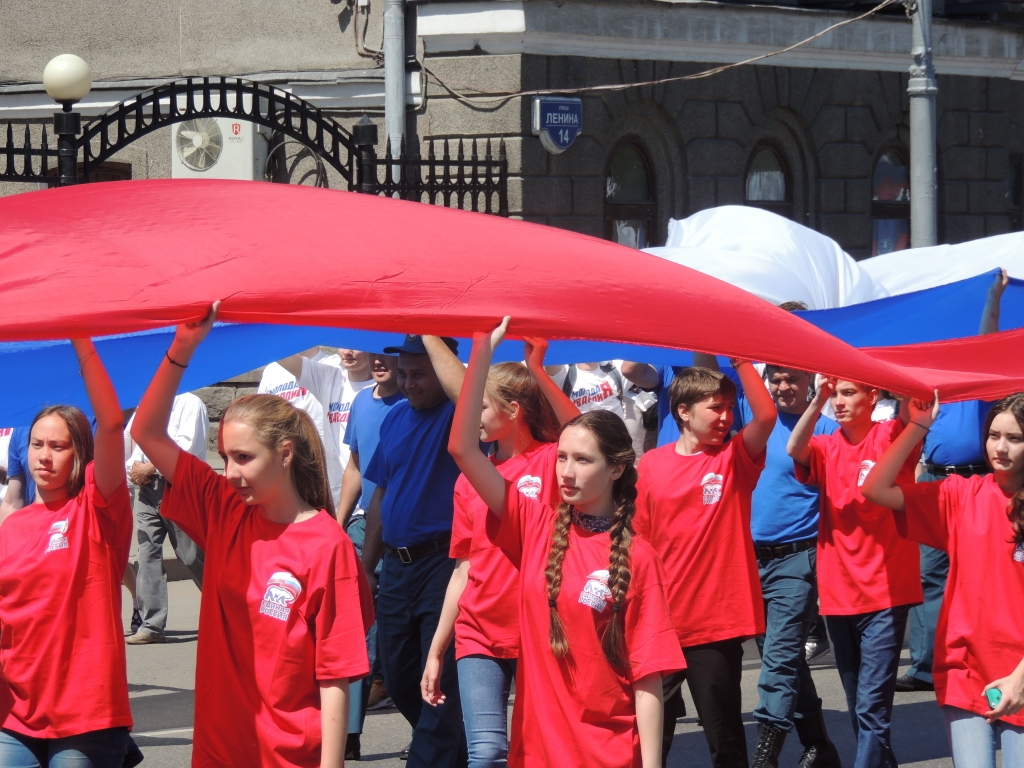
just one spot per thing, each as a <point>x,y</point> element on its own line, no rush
<point>17,461</point>
<point>363,432</point>
<point>955,437</point>
<point>783,509</point>
<point>413,464</point>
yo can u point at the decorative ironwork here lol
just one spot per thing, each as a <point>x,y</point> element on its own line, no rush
<point>26,162</point>
<point>187,99</point>
<point>477,182</point>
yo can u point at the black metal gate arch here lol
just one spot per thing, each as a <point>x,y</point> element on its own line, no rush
<point>189,98</point>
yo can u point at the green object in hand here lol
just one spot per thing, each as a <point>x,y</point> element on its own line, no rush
<point>994,696</point>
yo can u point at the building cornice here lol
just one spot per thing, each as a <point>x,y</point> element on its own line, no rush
<point>709,32</point>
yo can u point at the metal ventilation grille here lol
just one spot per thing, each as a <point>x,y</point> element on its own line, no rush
<point>199,143</point>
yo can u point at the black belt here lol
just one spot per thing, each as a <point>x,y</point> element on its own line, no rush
<point>410,554</point>
<point>964,470</point>
<point>775,551</point>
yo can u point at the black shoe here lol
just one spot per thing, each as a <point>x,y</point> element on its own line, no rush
<point>908,684</point>
<point>352,747</point>
<point>815,648</point>
<point>136,622</point>
<point>405,752</point>
<point>819,752</point>
<point>769,743</point>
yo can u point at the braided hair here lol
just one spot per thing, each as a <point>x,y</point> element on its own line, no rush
<point>616,446</point>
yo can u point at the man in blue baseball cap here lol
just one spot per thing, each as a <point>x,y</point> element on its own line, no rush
<point>409,523</point>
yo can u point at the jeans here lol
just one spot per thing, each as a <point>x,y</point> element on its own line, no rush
<point>867,650</point>
<point>151,578</point>
<point>713,673</point>
<point>785,689</point>
<point>974,742</point>
<point>409,601</point>
<point>94,749</point>
<point>484,684</point>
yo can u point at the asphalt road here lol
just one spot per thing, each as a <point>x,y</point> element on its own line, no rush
<point>162,680</point>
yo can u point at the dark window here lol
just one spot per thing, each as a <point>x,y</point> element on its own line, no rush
<point>767,183</point>
<point>630,209</point>
<point>890,204</point>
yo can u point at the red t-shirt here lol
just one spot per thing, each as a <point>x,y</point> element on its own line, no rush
<point>488,621</point>
<point>62,646</point>
<point>283,607</point>
<point>695,511</point>
<point>864,565</point>
<point>580,709</point>
<point>980,634</point>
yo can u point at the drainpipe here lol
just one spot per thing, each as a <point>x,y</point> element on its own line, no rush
<point>394,77</point>
<point>922,89</point>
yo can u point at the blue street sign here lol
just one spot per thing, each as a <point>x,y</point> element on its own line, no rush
<point>558,120</point>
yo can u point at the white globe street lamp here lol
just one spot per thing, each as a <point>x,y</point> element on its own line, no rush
<point>67,78</point>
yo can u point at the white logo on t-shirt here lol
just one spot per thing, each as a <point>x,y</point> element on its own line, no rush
<point>529,486</point>
<point>865,467</point>
<point>57,538</point>
<point>595,592</point>
<point>712,484</point>
<point>282,590</point>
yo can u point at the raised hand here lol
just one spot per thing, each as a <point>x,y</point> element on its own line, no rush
<point>924,413</point>
<point>496,336</point>
<point>826,388</point>
<point>188,336</point>
<point>995,291</point>
<point>534,350</point>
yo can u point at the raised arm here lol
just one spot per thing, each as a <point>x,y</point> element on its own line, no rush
<point>880,485</point>
<point>108,455</point>
<point>762,408</point>
<point>799,445</point>
<point>990,315</point>
<point>293,363</point>
<point>464,441</point>
<point>149,429</point>
<point>564,408</point>
<point>643,375</point>
<point>449,369</point>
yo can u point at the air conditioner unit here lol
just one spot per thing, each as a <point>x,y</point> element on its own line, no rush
<point>218,148</point>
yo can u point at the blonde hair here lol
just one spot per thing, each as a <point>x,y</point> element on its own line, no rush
<point>509,383</point>
<point>275,422</point>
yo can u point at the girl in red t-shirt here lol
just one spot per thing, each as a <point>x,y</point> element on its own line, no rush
<point>64,689</point>
<point>285,604</point>
<point>596,634</point>
<point>979,521</point>
<point>522,412</point>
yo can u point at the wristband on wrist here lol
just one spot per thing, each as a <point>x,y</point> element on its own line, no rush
<point>922,426</point>
<point>172,361</point>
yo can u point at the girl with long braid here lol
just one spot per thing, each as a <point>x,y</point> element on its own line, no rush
<point>523,410</point>
<point>595,630</point>
<point>979,521</point>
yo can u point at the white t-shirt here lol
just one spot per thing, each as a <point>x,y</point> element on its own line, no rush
<point>331,387</point>
<point>5,440</point>
<point>594,390</point>
<point>277,381</point>
<point>187,427</point>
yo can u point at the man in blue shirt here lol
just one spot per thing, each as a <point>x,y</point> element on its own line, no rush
<point>368,410</point>
<point>954,446</point>
<point>409,523</point>
<point>21,489</point>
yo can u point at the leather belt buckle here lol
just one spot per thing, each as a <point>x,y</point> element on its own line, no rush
<point>403,554</point>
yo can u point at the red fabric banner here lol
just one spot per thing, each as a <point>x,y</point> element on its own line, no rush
<point>128,256</point>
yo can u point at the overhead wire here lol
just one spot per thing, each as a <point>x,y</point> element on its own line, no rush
<point>480,97</point>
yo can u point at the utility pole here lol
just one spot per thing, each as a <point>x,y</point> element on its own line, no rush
<point>394,79</point>
<point>922,89</point>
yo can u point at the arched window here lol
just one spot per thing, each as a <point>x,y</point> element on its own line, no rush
<point>890,204</point>
<point>630,210</point>
<point>767,183</point>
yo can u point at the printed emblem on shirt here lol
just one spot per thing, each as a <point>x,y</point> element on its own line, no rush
<point>591,395</point>
<point>1018,553</point>
<point>712,484</point>
<point>283,589</point>
<point>595,592</point>
<point>289,391</point>
<point>57,538</point>
<point>865,467</point>
<point>337,413</point>
<point>529,486</point>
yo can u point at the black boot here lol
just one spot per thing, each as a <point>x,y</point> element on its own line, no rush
<point>769,743</point>
<point>819,752</point>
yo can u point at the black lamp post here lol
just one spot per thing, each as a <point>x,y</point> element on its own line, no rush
<point>67,79</point>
